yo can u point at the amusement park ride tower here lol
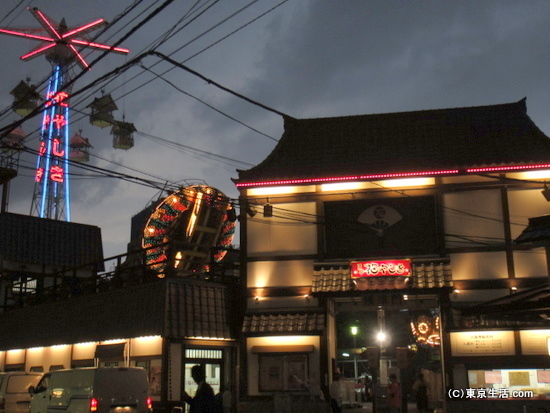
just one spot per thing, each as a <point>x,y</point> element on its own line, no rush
<point>62,46</point>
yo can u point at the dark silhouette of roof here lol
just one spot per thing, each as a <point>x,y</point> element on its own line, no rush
<point>31,240</point>
<point>529,305</point>
<point>174,308</point>
<point>418,141</point>
<point>537,232</point>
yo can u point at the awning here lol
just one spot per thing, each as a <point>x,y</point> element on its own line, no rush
<point>110,351</point>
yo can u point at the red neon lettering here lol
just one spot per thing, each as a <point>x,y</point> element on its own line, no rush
<point>58,98</point>
<point>55,149</point>
<point>42,149</point>
<point>39,174</point>
<point>380,268</point>
<point>56,173</point>
<point>46,122</point>
<point>59,121</point>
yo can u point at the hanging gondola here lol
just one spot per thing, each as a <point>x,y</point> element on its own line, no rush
<point>123,135</point>
<point>102,111</point>
<point>79,151</point>
<point>25,98</point>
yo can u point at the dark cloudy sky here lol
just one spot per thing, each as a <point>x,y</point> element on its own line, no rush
<point>306,58</point>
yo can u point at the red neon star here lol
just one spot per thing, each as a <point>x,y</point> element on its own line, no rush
<point>59,42</point>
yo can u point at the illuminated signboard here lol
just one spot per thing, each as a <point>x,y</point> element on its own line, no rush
<point>380,268</point>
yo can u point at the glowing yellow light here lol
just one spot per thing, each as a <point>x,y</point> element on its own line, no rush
<point>394,183</point>
<point>343,186</point>
<point>280,190</point>
<point>147,338</point>
<point>114,341</point>
<point>194,214</point>
<point>542,174</point>
<point>178,258</point>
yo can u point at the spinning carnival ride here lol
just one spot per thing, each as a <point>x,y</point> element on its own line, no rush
<point>62,46</point>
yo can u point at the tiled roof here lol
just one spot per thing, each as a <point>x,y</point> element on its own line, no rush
<point>537,232</point>
<point>175,308</point>
<point>335,278</point>
<point>199,309</point>
<point>275,323</point>
<point>404,142</point>
<point>32,240</point>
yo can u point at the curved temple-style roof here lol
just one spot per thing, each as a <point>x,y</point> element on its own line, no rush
<point>427,140</point>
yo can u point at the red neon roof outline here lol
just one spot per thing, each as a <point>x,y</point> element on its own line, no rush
<point>507,168</point>
<point>350,178</point>
<point>391,175</point>
<point>62,38</point>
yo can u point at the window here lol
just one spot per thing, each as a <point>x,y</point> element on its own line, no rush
<point>511,383</point>
<point>24,285</point>
<point>153,369</point>
<point>282,372</point>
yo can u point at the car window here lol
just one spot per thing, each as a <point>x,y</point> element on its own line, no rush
<point>21,383</point>
<point>43,384</point>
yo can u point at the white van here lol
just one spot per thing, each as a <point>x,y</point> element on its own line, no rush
<point>100,390</point>
<point>14,391</point>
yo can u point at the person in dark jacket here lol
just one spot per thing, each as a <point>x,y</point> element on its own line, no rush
<point>203,401</point>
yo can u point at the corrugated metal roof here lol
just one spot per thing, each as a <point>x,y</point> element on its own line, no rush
<point>32,240</point>
<point>335,278</point>
<point>404,142</point>
<point>277,323</point>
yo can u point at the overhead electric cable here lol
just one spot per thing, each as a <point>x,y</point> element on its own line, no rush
<point>210,106</point>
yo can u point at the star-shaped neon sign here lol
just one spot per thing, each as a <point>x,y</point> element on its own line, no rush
<point>59,42</point>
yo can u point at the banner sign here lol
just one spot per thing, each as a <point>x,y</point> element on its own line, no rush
<point>361,269</point>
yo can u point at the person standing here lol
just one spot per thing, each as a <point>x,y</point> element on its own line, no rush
<point>204,400</point>
<point>395,394</point>
<point>336,394</point>
<point>420,387</point>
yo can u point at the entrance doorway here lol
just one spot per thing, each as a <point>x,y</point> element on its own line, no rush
<point>385,334</point>
<point>212,362</point>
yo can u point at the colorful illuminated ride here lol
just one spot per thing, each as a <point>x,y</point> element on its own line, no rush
<point>62,46</point>
<point>188,230</point>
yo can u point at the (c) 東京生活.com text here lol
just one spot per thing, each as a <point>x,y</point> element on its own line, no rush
<point>490,393</point>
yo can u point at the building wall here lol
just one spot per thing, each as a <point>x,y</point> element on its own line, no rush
<point>282,341</point>
<point>473,213</point>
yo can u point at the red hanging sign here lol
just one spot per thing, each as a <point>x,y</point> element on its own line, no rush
<point>380,268</point>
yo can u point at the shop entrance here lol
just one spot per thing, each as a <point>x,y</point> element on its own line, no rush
<point>384,335</point>
<point>212,362</point>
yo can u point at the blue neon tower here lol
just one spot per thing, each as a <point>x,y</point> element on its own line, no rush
<point>61,45</point>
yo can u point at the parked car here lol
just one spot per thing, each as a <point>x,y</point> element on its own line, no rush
<point>100,390</point>
<point>14,391</point>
